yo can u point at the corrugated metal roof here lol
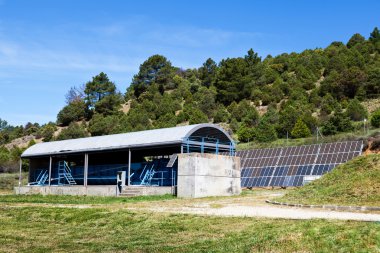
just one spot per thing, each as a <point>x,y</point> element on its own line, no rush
<point>164,136</point>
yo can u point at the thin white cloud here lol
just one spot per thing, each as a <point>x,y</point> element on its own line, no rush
<point>47,61</point>
<point>21,56</point>
<point>119,55</point>
<point>197,37</point>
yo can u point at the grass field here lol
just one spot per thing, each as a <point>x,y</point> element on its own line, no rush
<point>48,229</point>
<point>355,183</point>
<point>36,223</point>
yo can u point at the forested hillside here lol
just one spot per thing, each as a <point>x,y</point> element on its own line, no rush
<point>257,99</point>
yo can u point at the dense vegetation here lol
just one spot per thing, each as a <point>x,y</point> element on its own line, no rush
<point>261,100</point>
<point>355,183</point>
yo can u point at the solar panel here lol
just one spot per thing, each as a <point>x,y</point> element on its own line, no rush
<point>285,167</point>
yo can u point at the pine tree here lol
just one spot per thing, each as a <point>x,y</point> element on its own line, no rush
<point>375,118</point>
<point>300,130</point>
<point>101,95</point>
<point>375,35</point>
<point>265,132</point>
<point>207,73</point>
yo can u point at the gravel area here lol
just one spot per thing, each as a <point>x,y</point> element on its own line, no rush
<point>251,205</point>
<point>273,212</point>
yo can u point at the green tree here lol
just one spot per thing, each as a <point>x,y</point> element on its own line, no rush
<point>328,104</point>
<point>328,128</point>
<point>137,119</point>
<point>74,111</point>
<point>265,131</point>
<point>103,125</point>
<point>73,131</point>
<point>207,73</point>
<point>156,69</point>
<point>3,124</point>
<point>287,120</point>
<point>300,130</point>
<point>375,35</point>
<point>47,132</point>
<point>221,114</point>
<point>244,112</point>
<point>338,122</point>
<point>109,104</point>
<point>375,118</point>
<point>205,100</point>
<point>196,116</point>
<point>356,111</point>
<point>372,86</point>
<point>234,125</point>
<point>246,134</point>
<point>167,120</point>
<point>271,116</point>
<point>31,129</point>
<point>234,81</point>
<point>101,94</point>
<point>355,39</point>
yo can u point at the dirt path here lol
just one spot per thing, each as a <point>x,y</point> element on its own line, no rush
<point>243,206</point>
<point>272,212</point>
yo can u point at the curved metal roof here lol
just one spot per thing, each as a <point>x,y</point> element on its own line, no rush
<point>148,138</point>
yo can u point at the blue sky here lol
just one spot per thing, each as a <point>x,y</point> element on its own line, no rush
<point>48,46</point>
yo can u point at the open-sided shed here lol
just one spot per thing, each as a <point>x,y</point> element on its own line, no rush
<point>145,158</point>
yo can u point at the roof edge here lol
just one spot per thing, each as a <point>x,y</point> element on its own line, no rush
<point>199,126</point>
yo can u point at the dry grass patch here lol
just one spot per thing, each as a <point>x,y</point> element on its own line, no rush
<point>355,183</point>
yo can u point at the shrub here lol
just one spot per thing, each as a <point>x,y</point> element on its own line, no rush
<point>74,131</point>
<point>356,111</point>
<point>167,120</point>
<point>221,115</point>
<point>246,134</point>
<point>47,132</point>
<point>197,116</point>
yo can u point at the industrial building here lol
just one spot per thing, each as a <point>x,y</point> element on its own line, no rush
<point>184,160</point>
<point>189,161</point>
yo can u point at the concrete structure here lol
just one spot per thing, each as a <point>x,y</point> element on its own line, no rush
<point>93,190</point>
<point>137,163</point>
<point>205,175</point>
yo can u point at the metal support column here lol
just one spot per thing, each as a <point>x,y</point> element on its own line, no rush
<point>20,176</point>
<point>50,165</point>
<point>129,167</point>
<point>85,173</point>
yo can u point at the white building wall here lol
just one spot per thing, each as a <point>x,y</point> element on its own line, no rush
<point>204,175</point>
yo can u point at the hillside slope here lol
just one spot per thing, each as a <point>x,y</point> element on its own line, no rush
<point>355,183</point>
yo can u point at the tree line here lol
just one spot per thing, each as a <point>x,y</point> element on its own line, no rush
<point>288,95</point>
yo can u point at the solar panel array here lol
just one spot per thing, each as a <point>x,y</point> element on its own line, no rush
<point>293,166</point>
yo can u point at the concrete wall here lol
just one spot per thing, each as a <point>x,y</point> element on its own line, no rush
<point>203,175</point>
<point>93,190</point>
